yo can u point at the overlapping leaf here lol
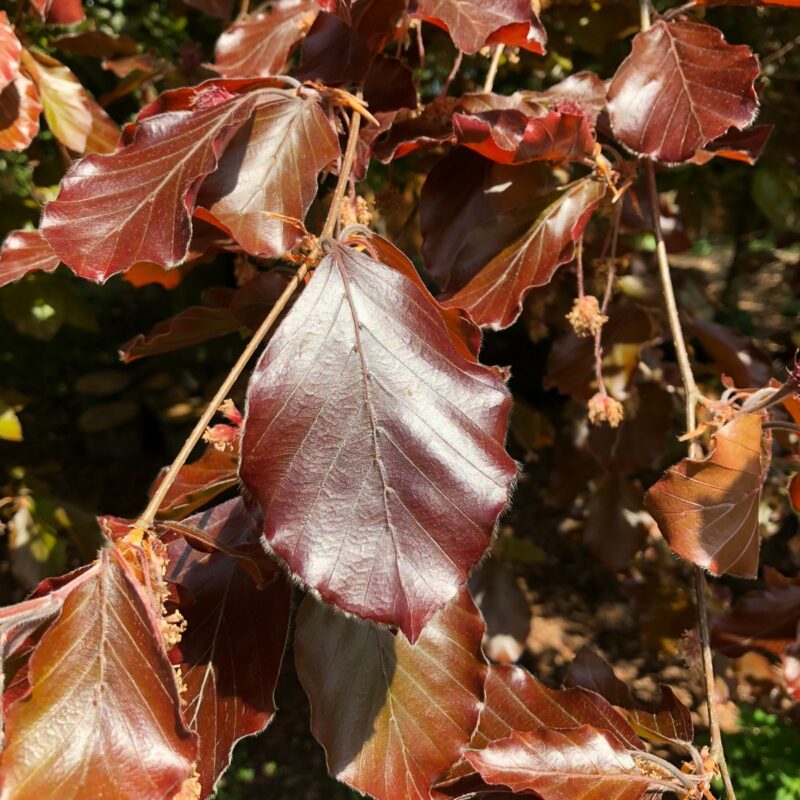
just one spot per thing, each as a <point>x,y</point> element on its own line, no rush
<point>374,447</point>
<point>392,716</point>
<point>24,252</point>
<point>493,297</point>
<point>707,510</point>
<point>736,145</point>
<point>670,722</point>
<point>583,762</point>
<point>260,43</point>
<point>681,87</point>
<point>19,113</point>
<point>100,684</point>
<point>231,651</point>
<point>10,51</point>
<point>59,12</point>
<point>473,24</point>
<point>270,167</point>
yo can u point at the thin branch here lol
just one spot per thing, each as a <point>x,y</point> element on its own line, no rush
<point>780,425</point>
<point>147,518</point>
<point>691,397</point>
<point>488,84</point>
<point>453,73</point>
<point>779,54</point>
<point>689,781</point>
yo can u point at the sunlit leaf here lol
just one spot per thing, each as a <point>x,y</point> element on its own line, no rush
<point>231,651</point>
<point>380,489</point>
<point>707,509</point>
<point>24,252</point>
<point>64,101</point>
<point>494,296</point>
<point>391,716</point>
<point>473,24</point>
<point>10,427</point>
<point>260,43</point>
<point>19,114</point>
<point>35,549</point>
<point>681,87</point>
<point>101,683</point>
<point>104,135</point>
<point>59,12</point>
<point>10,51</point>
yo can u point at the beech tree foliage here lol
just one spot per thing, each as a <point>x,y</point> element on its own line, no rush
<point>368,468</point>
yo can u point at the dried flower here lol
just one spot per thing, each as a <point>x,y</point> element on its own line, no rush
<point>222,437</point>
<point>586,318</point>
<point>603,408</point>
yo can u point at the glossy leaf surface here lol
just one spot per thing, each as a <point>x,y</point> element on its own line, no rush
<point>493,297</point>
<point>561,765</point>
<point>473,24</point>
<point>24,252</point>
<point>101,683</point>
<point>707,509</point>
<point>380,490</point>
<point>10,51</point>
<point>270,167</point>
<point>231,651</point>
<point>260,43</point>
<point>392,716</point>
<point>682,86</point>
<point>19,113</point>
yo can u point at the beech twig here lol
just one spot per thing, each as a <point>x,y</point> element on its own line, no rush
<point>488,84</point>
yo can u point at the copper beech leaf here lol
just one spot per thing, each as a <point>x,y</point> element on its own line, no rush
<point>707,509</point>
<point>19,114</point>
<point>10,51</point>
<point>681,87</point>
<point>494,296</point>
<point>101,684</point>
<point>270,167</point>
<point>24,252</point>
<point>391,716</point>
<point>374,446</point>
<point>670,722</point>
<point>584,762</point>
<point>260,43</point>
<point>473,24</point>
<point>231,651</point>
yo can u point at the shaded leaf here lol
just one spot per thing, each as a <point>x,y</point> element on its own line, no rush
<point>270,167</point>
<point>391,716</point>
<point>389,86</point>
<point>671,721</point>
<point>59,12</point>
<point>19,114</point>
<point>231,651</point>
<point>681,87</point>
<point>429,127</point>
<point>765,620</point>
<point>64,101</point>
<point>24,252</point>
<point>260,43</point>
<point>493,297</point>
<point>97,44</point>
<point>156,175</point>
<point>564,764</point>
<point>100,684</point>
<point>616,527</point>
<point>736,145</point>
<point>357,451</point>
<point>215,8</point>
<point>198,483</point>
<point>10,51</point>
<point>473,24</point>
<point>707,509</point>
<point>35,549</point>
<point>333,52</point>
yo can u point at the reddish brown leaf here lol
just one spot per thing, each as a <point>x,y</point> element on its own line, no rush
<point>261,42</point>
<point>430,127</point>
<point>463,231</point>
<point>155,176</point>
<point>736,145</point>
<point>270,167</point>
<point>64,101</point>
<point>101,684</point>
<point>198,483</point>
<point>391,716</point>
<point>732,354</point>
<point>105,134</point>
<point>707,510</point>
<point>10,51</point>
<point>145,274</point>
<point>379,489</point>
<point>582,762</point>
<point>794,492</point>
<point>333,52</point>
<point>765,620</point>
<point>231,651</point>
<point>97,44</point>
<point>581,91</point>
<point>24,252</point>
<point>791,667</point>
<point>214,8</point>
<point>494,296</point>
<point>59,12</point>
<point>19,114</point>
<point>681,86</point>
<point>473,24</point>
<point>615,529</point>
<point>389,86</point>
<point>670,722</point>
